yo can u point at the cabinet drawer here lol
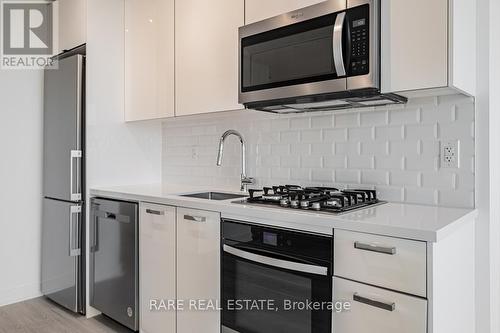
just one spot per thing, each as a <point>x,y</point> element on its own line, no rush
<point>388,262</point>
<point>377,310</point>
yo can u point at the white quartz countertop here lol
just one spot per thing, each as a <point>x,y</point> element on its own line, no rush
<point>418,222</point>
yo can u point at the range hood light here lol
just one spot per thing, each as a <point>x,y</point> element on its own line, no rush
<point>375,102</point>
<point>320,105</point>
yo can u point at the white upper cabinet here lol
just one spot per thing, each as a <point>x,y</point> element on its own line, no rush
<point>428,44</point>
<point>72,23</point>
<point>206,49</point>
<point>258,10</point>
<point>463,45</point>
<point>149,59</point>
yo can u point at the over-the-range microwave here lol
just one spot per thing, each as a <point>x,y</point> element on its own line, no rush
<point>322,57</point>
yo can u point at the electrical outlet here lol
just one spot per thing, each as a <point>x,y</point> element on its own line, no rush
<point>194,153</point>
<point>450,154</point>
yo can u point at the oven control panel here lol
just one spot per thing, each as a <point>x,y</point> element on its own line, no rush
<point>359,35</point>
<point>282,243</point>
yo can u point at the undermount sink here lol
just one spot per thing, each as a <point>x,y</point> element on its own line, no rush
<point>214,195</point>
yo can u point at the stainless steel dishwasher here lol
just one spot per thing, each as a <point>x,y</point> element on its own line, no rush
<point>114,268</point>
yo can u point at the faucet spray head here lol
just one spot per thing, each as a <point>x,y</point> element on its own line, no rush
<point>220,153</point>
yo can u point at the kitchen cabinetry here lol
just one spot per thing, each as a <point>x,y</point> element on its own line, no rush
<point>388,262</point>
<point>257,10</point>
<point>429,44</point>
<point>72,23</point>
<point>393,283</point>
<point>149,59</point>
<point>157,255</point>
<point>378,310</point>
<point>381,257</point>
<point>198,270</point>
<point>206,50</point>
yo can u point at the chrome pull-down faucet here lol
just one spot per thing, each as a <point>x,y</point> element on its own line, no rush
<point>245,180</point>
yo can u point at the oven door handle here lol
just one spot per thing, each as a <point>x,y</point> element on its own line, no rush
<point>284,264</point>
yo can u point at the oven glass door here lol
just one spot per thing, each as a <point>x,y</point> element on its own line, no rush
<point>266,293</point>
<point>300,53</point>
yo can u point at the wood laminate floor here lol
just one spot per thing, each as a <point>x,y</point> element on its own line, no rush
<point>40,315</point>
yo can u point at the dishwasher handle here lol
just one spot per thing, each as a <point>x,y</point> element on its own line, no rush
<point>110,216</point>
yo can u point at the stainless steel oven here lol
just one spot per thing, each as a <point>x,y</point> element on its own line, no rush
<point>269,276</point>
<point>323,56</point>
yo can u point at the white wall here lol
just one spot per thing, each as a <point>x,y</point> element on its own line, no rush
<point>395,148</point>
<point>117,153</point>
<point>20,184</point>
<point>494,83</point>
<point>483,148</point>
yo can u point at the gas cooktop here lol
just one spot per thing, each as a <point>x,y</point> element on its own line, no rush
<point>316,199</point>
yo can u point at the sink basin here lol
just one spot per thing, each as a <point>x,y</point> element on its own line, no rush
<point>214,196</point>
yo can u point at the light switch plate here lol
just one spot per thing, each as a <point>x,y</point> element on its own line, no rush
<point>450,154</point>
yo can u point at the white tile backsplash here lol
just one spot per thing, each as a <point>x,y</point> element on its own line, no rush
<point>395,149</point>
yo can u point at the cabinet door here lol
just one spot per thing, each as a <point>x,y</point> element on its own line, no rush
<point>198,269</point>
<point>156,267</point>
<point>377,310</point>
<point>463,50</point>
<point>72,23</point>
<point>257,10</point>
<point>414,47</point>
<point>149,59</point>
<point>206,48</point>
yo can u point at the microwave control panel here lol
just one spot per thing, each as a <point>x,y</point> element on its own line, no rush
<point>359,35</point>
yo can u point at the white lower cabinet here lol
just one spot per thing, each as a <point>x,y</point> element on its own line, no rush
<point>388,262</point>
<point>157,267</point>
<point>198,270</point>
<point>377,310</point>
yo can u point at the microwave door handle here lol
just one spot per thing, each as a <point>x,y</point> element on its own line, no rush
<point>284,264</point>
<point>338,55</point>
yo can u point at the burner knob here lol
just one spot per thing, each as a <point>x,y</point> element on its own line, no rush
<point>284,202</point>
<point>252,192</point>
<point>294,203</point>
<point>316,206</point>
<point>304,204</point>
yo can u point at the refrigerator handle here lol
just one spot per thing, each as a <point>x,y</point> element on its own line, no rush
<point>74,196</point>
<point>74,251</point>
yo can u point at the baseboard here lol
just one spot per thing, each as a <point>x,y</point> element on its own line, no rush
<point>92,312</point>
<point>20,294</point>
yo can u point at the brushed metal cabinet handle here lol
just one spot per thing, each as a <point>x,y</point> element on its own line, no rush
<point>195,218</point>
<point>377,304</point>
<point>375,248</point>
<point>154,212</point>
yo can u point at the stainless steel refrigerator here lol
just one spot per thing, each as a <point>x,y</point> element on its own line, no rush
<point>63,233</point>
